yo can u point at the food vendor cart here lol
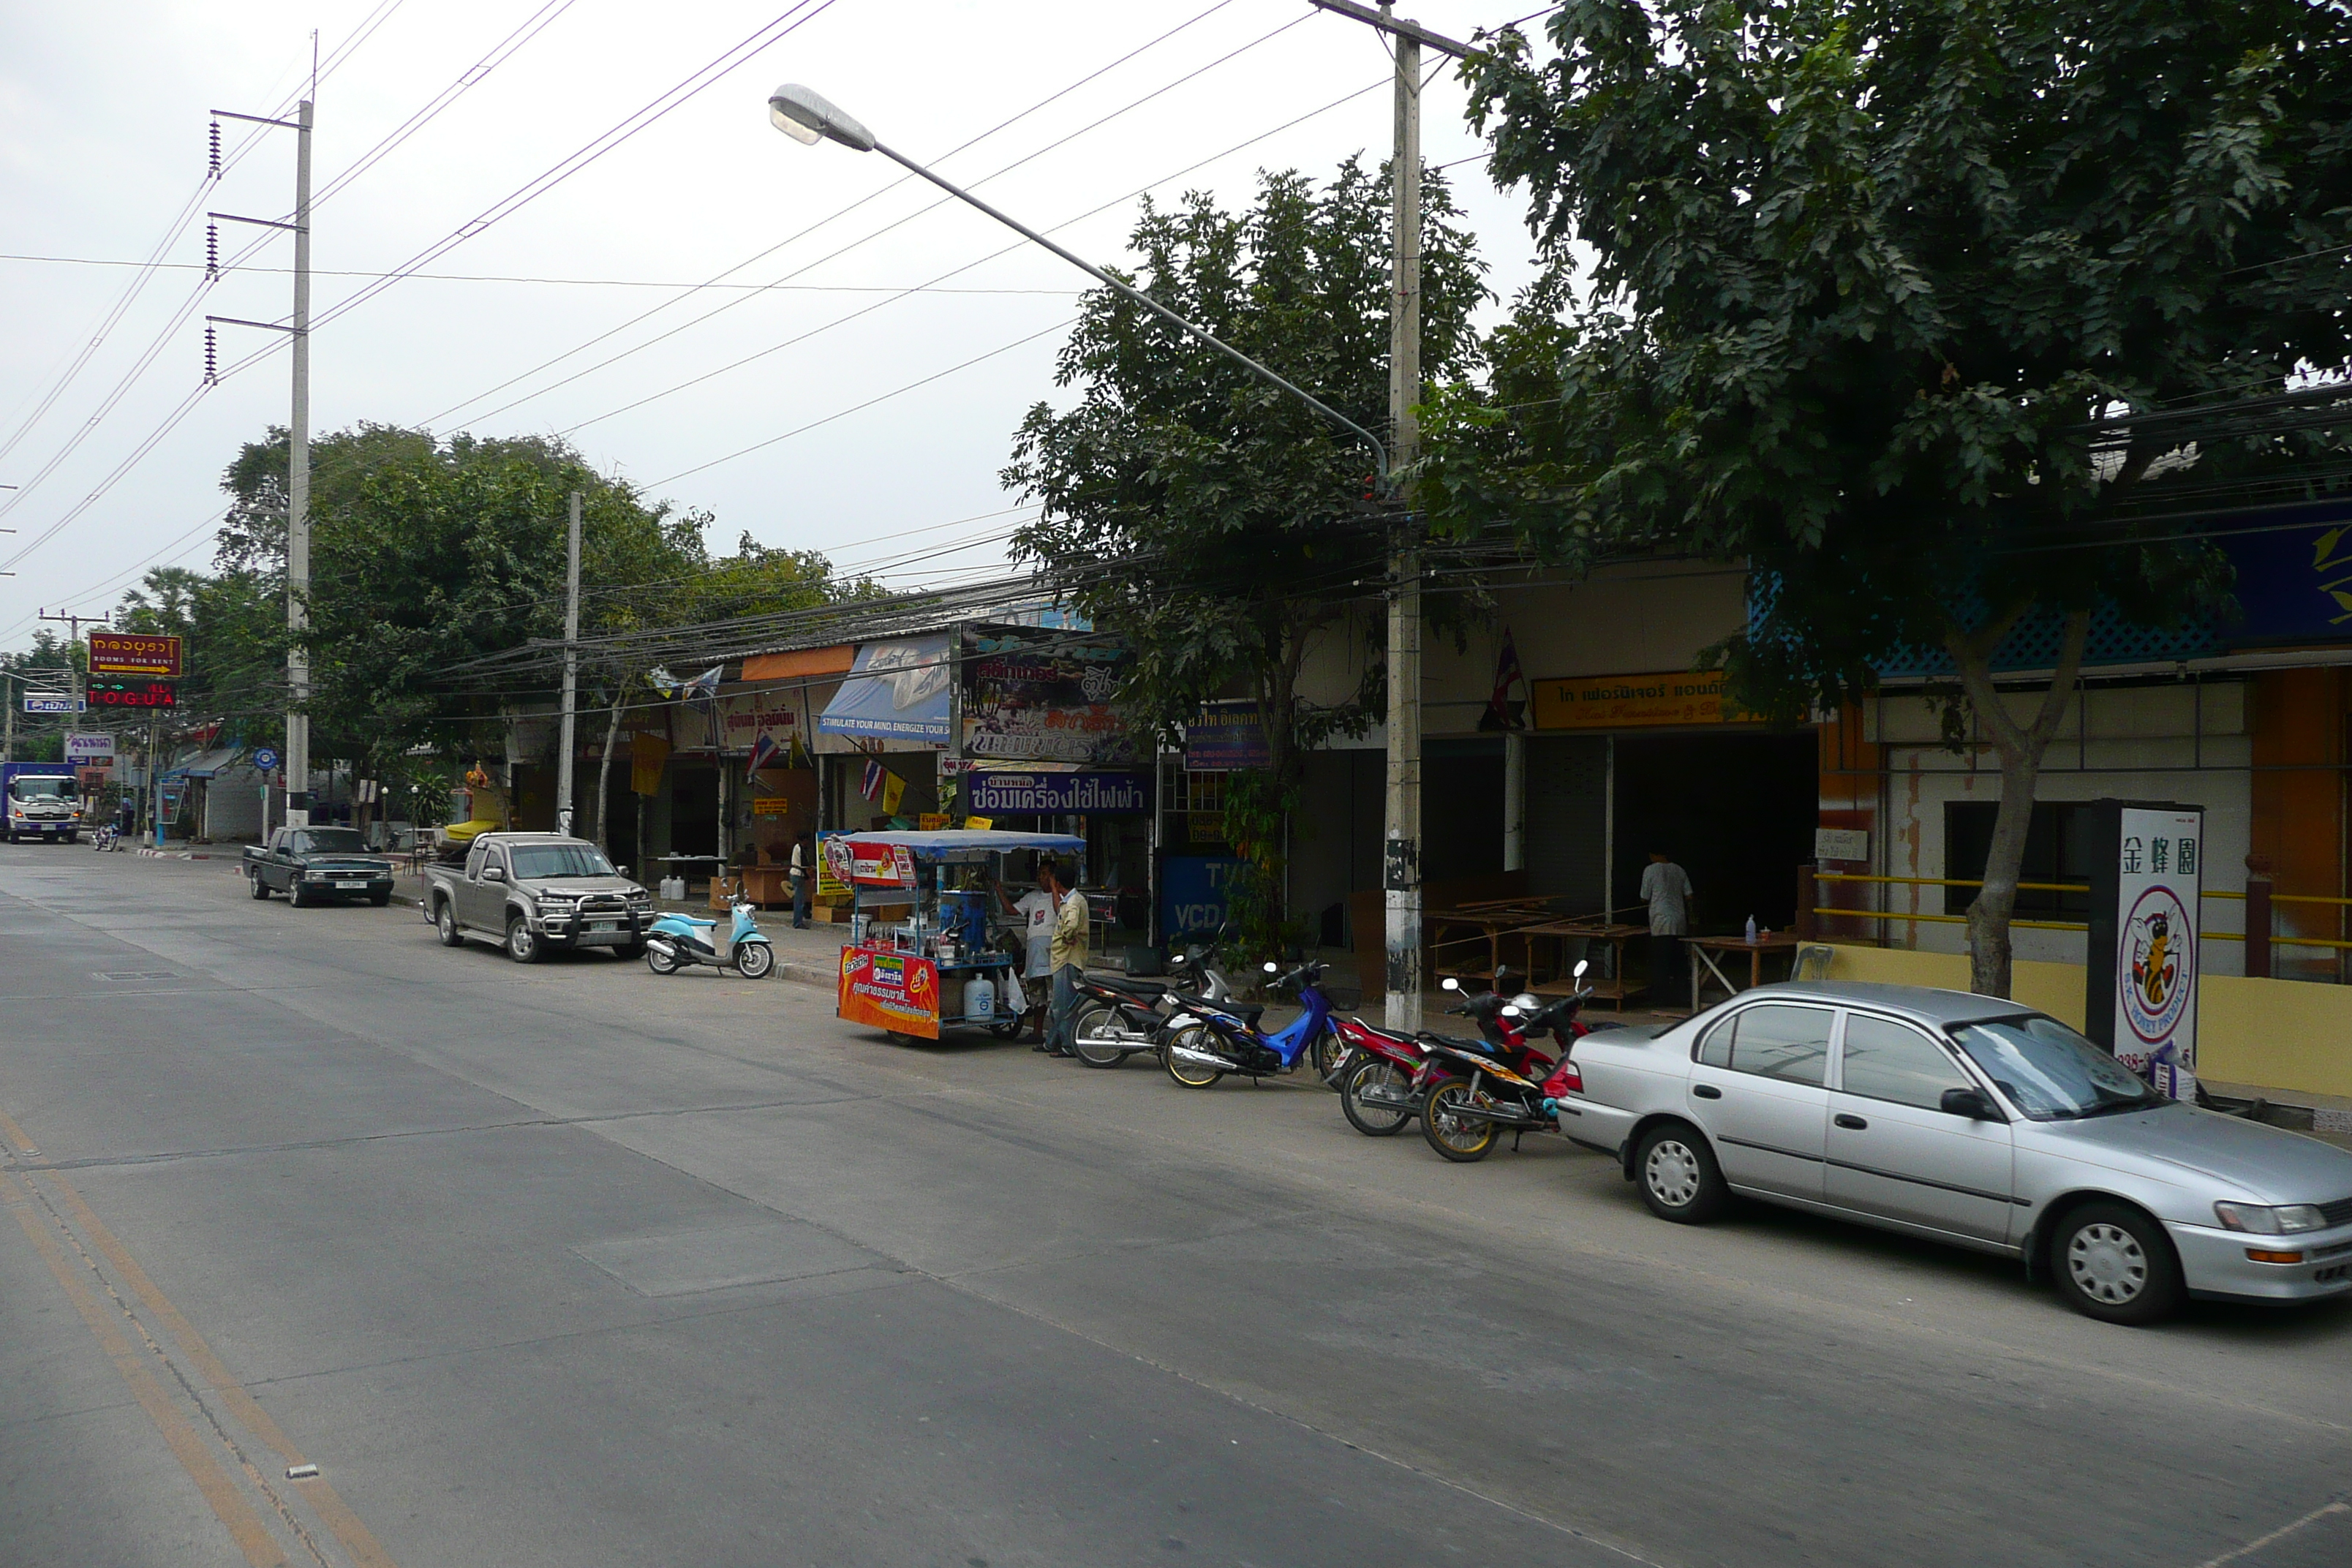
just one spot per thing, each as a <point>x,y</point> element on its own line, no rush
<point>926,950</point>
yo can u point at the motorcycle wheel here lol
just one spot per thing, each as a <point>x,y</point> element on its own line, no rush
<point>1096,1020</point>
<point>1373,1121</point>
<point>1190,1076</point>
<point>1460,1140</point>
<point>755,958</point>
<point>661,962</point>
<point>1327,1051</point>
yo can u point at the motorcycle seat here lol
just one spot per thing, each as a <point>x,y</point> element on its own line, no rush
<point>1248,1015</point>
<point>1148,989</point>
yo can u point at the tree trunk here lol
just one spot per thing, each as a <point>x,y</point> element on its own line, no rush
<point>2021,749</point>
<point>604,770</point>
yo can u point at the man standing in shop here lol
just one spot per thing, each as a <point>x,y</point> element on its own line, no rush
<point>804,870</point>
<point>1666,888</point>
<point>1068,953</point>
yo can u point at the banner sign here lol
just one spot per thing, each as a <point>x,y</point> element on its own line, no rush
<point>89,751</point>
<point>897,991</point>
<point>1034,694</point>
<point>126,653</point>
<point>647,753</point>
<point>1196,892</point>
<point>833,863</point>
<point>1632,701</point>
<point>133,694</point>
<point>881,865</point>
<point>1226,736</point>
<point>1098,794</point>
<point>897,690</point>
<point>93,779</point>
<point>2142,1002</point>
<point>55,705</point>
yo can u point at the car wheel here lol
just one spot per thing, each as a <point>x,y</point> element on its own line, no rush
<point>630,953</point>
<point>1678,1177</point>
<point>2116,1264</point>
<point>445,924</point>
<point>523,942</point>
<point>297,897</point>
<point>260,887</point>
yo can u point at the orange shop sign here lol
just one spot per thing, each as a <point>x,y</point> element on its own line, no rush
<point>1632,701</point>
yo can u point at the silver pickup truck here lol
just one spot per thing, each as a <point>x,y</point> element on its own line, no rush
<point>530,892</point>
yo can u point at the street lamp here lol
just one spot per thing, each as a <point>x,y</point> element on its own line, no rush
<point>806,116</point>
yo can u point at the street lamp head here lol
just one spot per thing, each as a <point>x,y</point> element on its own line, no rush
<point>803,115</point>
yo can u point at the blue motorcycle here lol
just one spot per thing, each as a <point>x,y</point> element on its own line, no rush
<point>1208,1039</point>
<point>674,941</point>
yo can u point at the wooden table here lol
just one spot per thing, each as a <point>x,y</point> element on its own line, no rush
<point>1562,983</point>
<point>1493,921</point>
<point>1703,947</point>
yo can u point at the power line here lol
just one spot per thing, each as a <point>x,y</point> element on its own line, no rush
<point>579,282</point>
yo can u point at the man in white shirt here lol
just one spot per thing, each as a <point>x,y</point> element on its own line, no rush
<point>1035,909</point>
<point>1666,888</point>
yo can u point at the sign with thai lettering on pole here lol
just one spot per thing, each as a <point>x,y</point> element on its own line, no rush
<point>1061,793</point>
<point>2141,1002</point>
<point>89,751</point>
<point>1632,701</point>
<point>134,653</point>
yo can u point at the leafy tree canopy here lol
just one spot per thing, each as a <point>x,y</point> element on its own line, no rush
<point>1861,274</point>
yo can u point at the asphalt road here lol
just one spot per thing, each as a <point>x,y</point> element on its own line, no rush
<point>570,1264</point>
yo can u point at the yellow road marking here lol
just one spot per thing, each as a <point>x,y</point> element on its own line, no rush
<point>355,1537</point>
<point>244,1525</point>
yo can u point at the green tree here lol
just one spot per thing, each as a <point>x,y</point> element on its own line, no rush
<point>1862,274</point>
<point>1214,521</point>
<point>38,739</point>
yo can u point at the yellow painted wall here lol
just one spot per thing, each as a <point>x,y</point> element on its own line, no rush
<point>2286,1034</point>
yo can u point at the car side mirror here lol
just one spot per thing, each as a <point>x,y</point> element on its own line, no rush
<point>1968,1102</point>
<point>494,874</point>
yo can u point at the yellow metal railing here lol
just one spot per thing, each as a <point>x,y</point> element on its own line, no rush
<point>2062,925</point>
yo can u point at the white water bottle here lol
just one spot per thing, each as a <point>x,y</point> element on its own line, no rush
<point>1751,930</point>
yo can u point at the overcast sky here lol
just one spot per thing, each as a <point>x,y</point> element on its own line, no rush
<point>102,146</point>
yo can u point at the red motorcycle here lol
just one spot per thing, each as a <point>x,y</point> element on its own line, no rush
<point>1380,1077</point>
<point>1469,1093</point>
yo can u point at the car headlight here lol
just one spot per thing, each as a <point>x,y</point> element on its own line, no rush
<point>2258,1219</point>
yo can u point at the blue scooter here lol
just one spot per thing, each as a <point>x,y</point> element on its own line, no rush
<point>1207,1039</point>
<point>677,941</point>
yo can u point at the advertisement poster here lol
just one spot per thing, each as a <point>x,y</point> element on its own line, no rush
<point>898,691</point>
<point>1226,736</point>
<point>881,865</point>
<point>2157,866</point>
<point>833,863</point>
<point>1034,694</point>
<point>896,991</point>
<point>1630,702</point>
<point>1105,795</point>
<point>127,652</point>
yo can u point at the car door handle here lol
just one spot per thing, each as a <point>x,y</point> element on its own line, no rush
<point>1852,1123</point>
<point>1705,1091</point>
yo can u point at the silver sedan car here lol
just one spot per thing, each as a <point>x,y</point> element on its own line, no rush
<point>1972,1120</point>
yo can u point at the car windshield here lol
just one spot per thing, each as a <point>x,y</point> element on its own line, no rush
<point>40,788</point>
<point>541,860</point>
<point>2052,1073</point>
<point>330,841</point>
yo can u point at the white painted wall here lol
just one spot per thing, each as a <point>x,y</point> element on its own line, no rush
<point>2185,742</point>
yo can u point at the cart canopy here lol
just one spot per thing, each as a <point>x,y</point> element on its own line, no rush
<point>951,846</point>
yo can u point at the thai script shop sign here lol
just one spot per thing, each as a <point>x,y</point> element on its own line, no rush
<point>1034,694</point>
<point>129,653</point>
<point>1101,795</point>
<point>1632,701</point>
<point>2142,998</point>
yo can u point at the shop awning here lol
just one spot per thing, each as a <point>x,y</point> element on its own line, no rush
<point>897,690</point>
<point>206,764</point>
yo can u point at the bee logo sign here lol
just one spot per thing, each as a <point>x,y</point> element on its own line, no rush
<point>2144,952</point>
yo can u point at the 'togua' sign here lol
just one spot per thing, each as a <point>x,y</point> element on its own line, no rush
<point>2142,1001</point>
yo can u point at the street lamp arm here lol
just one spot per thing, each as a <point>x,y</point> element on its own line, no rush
<point>1379,452</point>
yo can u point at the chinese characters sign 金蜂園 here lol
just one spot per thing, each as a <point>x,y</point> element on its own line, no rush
<point>2158,855</point>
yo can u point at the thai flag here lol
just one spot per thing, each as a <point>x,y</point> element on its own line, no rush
<point>764,751</point>
<point>870,785</point>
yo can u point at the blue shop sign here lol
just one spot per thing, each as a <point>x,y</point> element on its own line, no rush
<point>1195,894</point>
<point>1060,794</point>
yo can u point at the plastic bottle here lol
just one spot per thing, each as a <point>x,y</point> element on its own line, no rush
<point>1751,930</point>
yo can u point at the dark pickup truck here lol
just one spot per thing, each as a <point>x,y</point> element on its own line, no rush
<point>318,865</point>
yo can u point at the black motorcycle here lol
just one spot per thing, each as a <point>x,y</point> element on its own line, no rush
<point>1473,1092</point>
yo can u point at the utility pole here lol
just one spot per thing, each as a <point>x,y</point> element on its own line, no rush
<point>8,736</point>
<point>571,671</point>
<point>298,461</point>
<point>1401,867</point>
